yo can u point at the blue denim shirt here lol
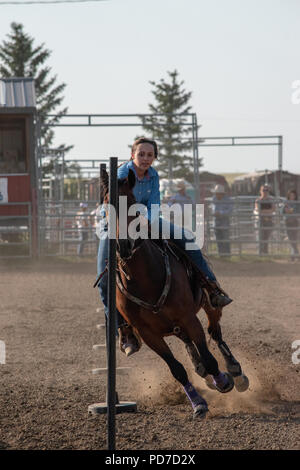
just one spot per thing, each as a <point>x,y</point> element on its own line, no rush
<point>146,192</point>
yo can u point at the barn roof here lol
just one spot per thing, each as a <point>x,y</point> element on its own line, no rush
<point>17,93</point>
<point>253,174</point>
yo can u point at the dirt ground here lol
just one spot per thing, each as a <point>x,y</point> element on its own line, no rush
<point>48,316</point>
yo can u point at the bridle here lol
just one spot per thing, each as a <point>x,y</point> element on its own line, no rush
<point>155,308</point>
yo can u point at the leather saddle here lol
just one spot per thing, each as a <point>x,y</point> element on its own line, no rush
<point>195,276</point>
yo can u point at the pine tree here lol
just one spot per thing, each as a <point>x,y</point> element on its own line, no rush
<point>19,57</point>
<point>173,137</point>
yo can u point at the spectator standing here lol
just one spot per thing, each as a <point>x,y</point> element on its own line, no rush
<point>291,211</point>
<point>222,209</point>
<point>167,196</point>
<point>265,209</point>
<point>181,197</point>
<point>94,220</point>
<point>82,223</point>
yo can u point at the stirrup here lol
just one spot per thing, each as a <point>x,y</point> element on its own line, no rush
<point>216,288</point>
<point>221,300</point>
<point>221,294</point>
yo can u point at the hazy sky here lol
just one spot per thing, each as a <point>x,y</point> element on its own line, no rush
<point>239,59</point>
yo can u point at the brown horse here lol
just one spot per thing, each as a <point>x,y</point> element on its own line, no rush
<point>158,294</point>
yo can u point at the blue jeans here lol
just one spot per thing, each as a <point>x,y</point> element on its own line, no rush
<point>195,255</point>
<point>223,246</point>
<point>103,284</point>
<point>83,236</point>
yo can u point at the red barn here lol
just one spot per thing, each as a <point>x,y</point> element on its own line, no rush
<point>18,167</point>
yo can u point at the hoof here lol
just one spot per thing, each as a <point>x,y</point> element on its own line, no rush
<point>200,411</point>
<point>241,383</point>
<point>210,382</point>
<point>228,386</point>
<point>130,349</point>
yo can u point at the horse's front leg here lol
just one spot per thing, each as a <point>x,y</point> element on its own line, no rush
<point>158,345</point>
<point>241,381</point>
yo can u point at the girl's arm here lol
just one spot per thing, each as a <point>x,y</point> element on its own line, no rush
<point>154,199</point>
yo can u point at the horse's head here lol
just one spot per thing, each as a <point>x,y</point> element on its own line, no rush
<point>125,187</point>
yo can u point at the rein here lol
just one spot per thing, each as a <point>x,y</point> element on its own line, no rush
<point>159,304</point>
<point>100,276</point>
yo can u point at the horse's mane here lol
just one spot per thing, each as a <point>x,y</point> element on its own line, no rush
<point>104,184</point>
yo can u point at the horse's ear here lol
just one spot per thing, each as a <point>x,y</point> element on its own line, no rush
<point>103,177</point>
<point>131,179</point>
<point>103,184</point>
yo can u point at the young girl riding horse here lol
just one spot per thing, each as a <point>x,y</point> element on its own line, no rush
<point>146,191</point>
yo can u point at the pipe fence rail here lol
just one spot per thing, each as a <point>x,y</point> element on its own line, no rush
<point>66,230</point>
<point>16,230</point>
<point>246,230</point>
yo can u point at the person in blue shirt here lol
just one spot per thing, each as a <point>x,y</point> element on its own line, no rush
<point>181,197</point>
<point>146,192</point>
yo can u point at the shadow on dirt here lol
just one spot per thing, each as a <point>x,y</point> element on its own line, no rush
<point>3,446</point>
<point>290,408</point>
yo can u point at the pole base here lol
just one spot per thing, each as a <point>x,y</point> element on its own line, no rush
<point>121,407</point>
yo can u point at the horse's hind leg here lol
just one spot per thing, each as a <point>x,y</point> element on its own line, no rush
<point>241,381</point>
<point>158,345</point>
<point>204,362</point>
